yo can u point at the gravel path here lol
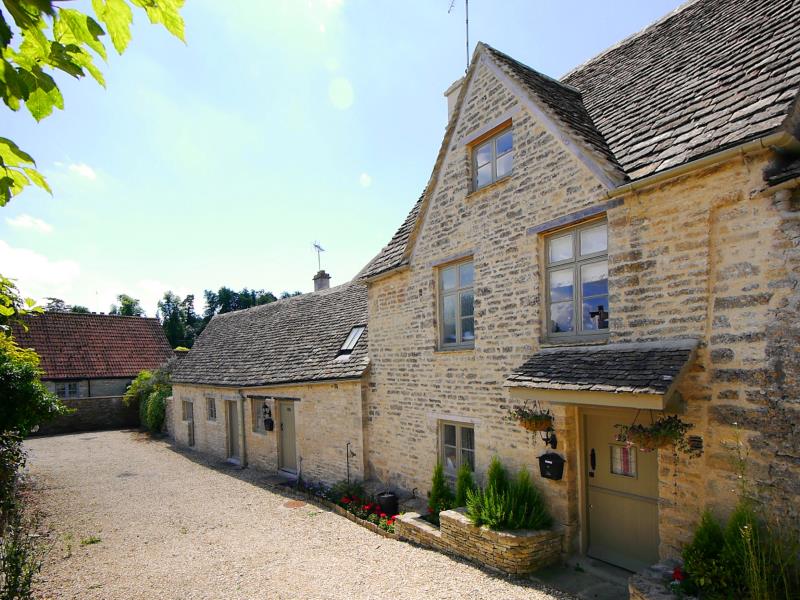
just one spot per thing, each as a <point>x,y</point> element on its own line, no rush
<point>171,527</point>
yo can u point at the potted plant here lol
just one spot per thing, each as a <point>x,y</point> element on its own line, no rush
<point>665,431</point>
<point>533,418</point>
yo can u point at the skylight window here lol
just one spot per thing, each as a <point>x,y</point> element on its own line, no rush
<point>352,340</point>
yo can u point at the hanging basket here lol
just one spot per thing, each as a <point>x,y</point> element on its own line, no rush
<point>664,432</point>
<point>648,441</point>
<point>537,422</point>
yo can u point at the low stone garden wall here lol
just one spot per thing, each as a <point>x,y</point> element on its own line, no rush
<point>512,552</point>
<point>93,414</point>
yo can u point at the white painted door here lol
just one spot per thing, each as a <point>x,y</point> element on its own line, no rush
<point>288,448</point>
<point>234,453</point>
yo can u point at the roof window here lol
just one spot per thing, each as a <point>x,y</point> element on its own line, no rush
<point>351,341</point>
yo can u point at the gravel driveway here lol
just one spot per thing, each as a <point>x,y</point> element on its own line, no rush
<point>171,527</point>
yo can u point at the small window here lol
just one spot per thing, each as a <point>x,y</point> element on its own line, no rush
<point>456,305</point>
<point>187,410</point>
<point>493,159</point>
<point>211,409</point>
<point>623,461</point>
<point>352,340</point>
<point>577,281</point>
<point>258,409</point>
<point>458,446</point>
<point>67,390</point>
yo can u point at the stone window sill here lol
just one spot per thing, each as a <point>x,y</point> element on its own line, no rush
<point>584,341</point>
<point>456,350</point>
<point>492,186</point>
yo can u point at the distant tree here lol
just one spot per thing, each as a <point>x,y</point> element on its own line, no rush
<point>227,300</point>
<point>173,318</point>
<point>194,323</point>
<point>128,307</point>
<point>77,308</point>
<point>56,305</point>
<point>285,295</point>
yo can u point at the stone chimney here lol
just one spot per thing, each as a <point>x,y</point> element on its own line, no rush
<point>451,94</point>
<point>322,281</point>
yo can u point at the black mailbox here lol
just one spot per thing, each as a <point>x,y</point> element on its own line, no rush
<point>269,424</point>
<point>551,465</point>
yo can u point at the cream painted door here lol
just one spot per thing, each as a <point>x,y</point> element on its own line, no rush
<point>622,495</point>
<point>288,449</point>
<point>234,453</point>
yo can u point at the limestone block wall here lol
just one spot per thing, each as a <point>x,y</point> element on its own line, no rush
<point>327,416</point>
<point>98,406</point>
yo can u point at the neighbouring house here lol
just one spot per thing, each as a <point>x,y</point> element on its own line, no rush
<point>89,360</point>
<point>280,386</point>
<point>617,245</point>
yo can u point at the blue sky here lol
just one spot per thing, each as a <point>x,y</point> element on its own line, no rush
<point>279,123</point>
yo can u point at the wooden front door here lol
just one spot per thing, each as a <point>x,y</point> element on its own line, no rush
<point>621,494</point>
<point>234,453</point>
<point>288,448</point>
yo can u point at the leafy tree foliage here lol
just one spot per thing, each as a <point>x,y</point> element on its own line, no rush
<point>58,305</point>
<point>13,306</point>
<point>181,323</point>
<point>77,308</point>
<point>40,37</point>
<point>127,307</point>
<point>227,300</point>
<point>149,391</point>
<point>285,295</point>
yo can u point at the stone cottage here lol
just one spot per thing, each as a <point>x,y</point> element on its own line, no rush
<point>89,360</point>
<point>617,245</point>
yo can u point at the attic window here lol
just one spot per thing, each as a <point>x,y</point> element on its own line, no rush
<point>351,341</point>
<point>492,159</point>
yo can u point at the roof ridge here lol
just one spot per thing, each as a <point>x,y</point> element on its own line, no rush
<point>90,314</point>
<point>626,40</point>
<point>508,57</point>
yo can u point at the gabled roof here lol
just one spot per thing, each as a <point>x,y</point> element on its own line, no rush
<point>392,254</point>
<point>711,75</point>
<point>293,340</point>
<point>79,346</point>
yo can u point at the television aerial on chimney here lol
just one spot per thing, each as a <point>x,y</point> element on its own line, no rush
<point>319,250</point>
<point>466,23</point>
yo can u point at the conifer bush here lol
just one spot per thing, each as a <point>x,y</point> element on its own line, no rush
<point>464,483</point>
<point>440,496</point>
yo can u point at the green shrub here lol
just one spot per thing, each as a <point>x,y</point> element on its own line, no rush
<point>150,391</point>
<point>345,489</point>
<point>441,496</point>
<point>156,409</point>
<point>464,482</point>
<point>504,504</point>
<point>21,556</point>
<point>701,558</point>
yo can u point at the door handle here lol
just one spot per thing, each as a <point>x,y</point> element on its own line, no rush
<point>281,426</point>
<point>592,462</point>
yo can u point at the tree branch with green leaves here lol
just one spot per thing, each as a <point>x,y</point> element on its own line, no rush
<point>42,38</point>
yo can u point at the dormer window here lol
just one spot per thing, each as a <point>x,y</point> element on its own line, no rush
<point>350,343</point>
<point>492,159</point>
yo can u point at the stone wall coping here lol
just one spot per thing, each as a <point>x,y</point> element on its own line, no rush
<point>459,515</point>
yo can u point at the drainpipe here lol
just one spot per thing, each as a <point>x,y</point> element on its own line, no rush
<point>776,140</point>
<point>242,436</point>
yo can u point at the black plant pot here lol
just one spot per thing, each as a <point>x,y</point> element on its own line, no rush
<point>388,503</point>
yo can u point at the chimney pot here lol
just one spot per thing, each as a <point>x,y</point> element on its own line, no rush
<point>322,281</point>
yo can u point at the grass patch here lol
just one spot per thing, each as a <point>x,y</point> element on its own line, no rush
<point>92,539</point>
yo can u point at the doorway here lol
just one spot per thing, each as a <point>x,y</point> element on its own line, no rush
<point>621,494</point>
<point>234,452</point>
<point>287,455</point>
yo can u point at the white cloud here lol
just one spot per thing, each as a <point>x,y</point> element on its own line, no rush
<point>365,180</point>
<point>37,275</point>
<point>341,93</point>
<point>25,221</point>
<point>83,170</point>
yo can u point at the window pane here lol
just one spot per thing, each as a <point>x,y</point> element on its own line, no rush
<point>467,438</point>
<point>594,278</point>
<point>623,461</point>
<point>449,318</point>
<point>468,457</point>
<point>504,143</point>
<point>449,435</point>
<point>467,302</point>
<point>594,239</point>
<point>483,154</point>
<point>561,248</point>
<point>466,274</point>
<point>504,164</point>
<point>561,285</point>
<point>595,313</point>
<point>484,175</point>
<point>450,458</point>
<point>561,317</point>
<point>467,329</point>
<point>449,279</point>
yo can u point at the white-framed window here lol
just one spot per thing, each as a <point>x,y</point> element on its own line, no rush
<point>187,410</point>
<point>493,159</point>
<point>577,281</point>
<point>67,389</point>
<point>457,442</point>
<point>352,339</point>
<point>456,305</point>
<point>623,460</point>
<point>258,411</point>
<point>211,409</point>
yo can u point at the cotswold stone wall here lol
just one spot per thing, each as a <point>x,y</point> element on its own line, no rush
<point>99,406</point>
<point>513,552</point>
<point>327,416</point>
<point>712,255</point>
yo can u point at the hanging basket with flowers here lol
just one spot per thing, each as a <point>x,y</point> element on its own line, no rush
<point>661,433</point>
<point>532,418</point>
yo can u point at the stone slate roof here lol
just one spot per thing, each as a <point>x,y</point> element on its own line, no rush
<point>712,75</point>
<point>81,346</point>
<point>289,341</point>
<point>563,101</point>
<point>646,368</point>
<point>391,255</point>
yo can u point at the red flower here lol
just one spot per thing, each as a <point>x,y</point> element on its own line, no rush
<point>383,515</point>
<point>677,574</point>
<point>390,522</point>
<point>345,500</point>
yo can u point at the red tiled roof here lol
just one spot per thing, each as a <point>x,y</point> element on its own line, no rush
<point>89,346</point>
